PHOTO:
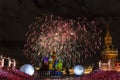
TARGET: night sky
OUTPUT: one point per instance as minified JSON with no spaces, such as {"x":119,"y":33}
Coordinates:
{"x":16,"y":15}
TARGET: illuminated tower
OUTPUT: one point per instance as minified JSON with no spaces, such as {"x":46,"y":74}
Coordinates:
{"x":109,"y":54}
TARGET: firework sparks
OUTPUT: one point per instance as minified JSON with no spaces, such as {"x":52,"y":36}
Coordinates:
{"x":73,"y":41}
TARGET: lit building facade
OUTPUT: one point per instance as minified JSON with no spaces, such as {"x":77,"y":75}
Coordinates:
{"x":7,"y":63}
{"x":109,"y":54}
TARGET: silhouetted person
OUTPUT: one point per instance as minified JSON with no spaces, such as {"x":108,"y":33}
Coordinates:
{"x":45,"y":67}
{"x":67,"y":71}
{"x":43,"y":70}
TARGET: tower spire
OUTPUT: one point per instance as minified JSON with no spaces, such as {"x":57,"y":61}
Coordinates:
{"x":108,"y":38}
{"x":108,"y":33}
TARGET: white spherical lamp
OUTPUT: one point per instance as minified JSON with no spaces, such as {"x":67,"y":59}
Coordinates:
{"x":28,"y":69}
{"x":78,"y":70}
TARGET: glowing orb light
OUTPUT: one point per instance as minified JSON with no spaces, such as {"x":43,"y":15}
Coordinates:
{"x":78,"y":70}
{"x":28,"y":69}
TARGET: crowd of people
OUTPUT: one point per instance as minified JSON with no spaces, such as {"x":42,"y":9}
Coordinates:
{"x":14,"y":75}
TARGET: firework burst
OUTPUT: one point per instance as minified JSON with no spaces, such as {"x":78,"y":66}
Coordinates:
{"x":73,"y":40}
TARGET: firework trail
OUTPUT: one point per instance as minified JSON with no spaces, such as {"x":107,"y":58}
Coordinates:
{"x":73,"y":40}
